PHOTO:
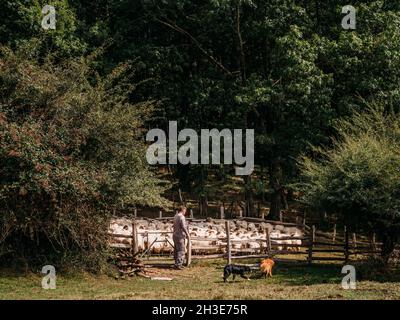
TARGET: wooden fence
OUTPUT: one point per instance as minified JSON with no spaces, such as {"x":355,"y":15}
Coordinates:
{"x":340,"y":247}
{"x":315,"y":245}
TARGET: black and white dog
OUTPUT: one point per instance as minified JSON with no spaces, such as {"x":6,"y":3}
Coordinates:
{"x":235,"y":270}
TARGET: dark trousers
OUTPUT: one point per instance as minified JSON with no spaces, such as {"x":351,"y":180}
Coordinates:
{"x":179,"y":250}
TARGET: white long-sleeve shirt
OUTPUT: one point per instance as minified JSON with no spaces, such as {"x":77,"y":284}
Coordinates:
{"x":180,"y":226}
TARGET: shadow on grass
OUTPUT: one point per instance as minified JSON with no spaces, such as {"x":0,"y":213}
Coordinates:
{"x":296,"y":274}
{"x":324,"y":274}
{"x":308,"y":274}
{"x":300,"y":274}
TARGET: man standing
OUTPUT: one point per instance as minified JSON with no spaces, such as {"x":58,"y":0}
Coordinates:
{"x":180,"y":234}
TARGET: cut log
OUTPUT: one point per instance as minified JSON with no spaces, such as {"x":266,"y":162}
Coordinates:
{"x":162,"y":278}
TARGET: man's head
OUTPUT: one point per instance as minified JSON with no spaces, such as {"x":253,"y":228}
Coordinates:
{"x":182,"y":209}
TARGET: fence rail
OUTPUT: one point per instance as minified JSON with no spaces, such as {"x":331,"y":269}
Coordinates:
{"x":312,"y":245}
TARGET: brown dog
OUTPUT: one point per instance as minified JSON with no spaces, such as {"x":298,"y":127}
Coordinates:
{"x":266,"y":267}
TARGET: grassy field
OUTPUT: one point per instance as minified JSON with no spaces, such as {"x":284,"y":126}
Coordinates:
{"x":202,"y":281}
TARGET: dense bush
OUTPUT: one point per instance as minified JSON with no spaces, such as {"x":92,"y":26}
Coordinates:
{"x":71,"y":146}
{"x":359,"y":177}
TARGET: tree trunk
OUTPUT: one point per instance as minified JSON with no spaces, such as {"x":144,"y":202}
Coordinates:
{"x":263,"y":179}
{"x":203,"y":206}
{"x":276,"y":187}
{"x":284,"y":198}
{"x":248,"y":194}
{"x":388,"y":245}
{"x":180,"y":196}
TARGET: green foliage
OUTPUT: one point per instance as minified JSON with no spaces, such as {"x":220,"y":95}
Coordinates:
{"x":70,"y":148}
{"x":359,"y":177}
{"x":20,"y":20}
{"x":283,"y":67}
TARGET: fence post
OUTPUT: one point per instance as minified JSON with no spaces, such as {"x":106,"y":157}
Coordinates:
{"x":135,"y":213}
{"x":191,"y":213}
{"x":189,"y":253}
{"x":228,"y":241}
{"x":311,"y":244}
{"x":346,"y":244}
{"x":268,"y":238}
{"x":240,"y":213}
{"x":334,"y":233}
{"x":373,"y":245}
{"x":148,"y":245}
{"x":280,"y":216}
{"x":160,"y":214}
{"x":189,"y":249}
{"x":222,"y":209}
{"x":134,"y":238}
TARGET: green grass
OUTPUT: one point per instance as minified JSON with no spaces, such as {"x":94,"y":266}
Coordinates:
{"x":203,"y":280}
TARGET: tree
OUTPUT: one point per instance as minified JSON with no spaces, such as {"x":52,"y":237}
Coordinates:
{"x":71,"y":147}
{"x":359,"y":178}
{"x":283,"y":67}
{"x":20,"y":21}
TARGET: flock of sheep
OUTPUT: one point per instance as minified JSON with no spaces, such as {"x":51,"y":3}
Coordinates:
{"x":208,"y":236}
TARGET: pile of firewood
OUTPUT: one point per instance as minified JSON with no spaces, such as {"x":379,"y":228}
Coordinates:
{"x":127,"y":263}
{"x":130,"y":268}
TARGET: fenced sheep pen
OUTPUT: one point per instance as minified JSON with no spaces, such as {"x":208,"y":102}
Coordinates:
{"x":151,"y":239}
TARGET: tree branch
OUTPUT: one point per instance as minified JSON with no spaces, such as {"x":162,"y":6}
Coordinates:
{"x":173,"y":26}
